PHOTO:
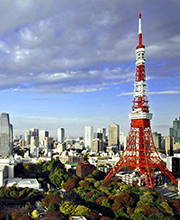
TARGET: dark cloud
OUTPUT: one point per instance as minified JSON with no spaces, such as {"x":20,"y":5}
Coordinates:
{"x":77,"y":46}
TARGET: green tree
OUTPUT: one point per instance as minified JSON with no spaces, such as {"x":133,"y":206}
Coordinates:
{"x":13,"y":194}
{"x":168,"y":209}
{"x":67,"y":208}
{"x":8,"y":217}
{"x":138,"y":216}
{"x":105,"y":204}
{"x":120,"y":214}
{"x":96,"y":173}
{"x":147,"y":198}
{"x":22,"y":193}
{"x":3,"y":192}
{"x":156,"y":216}
{"x":82,"y":211}
{"x":97,"y":184}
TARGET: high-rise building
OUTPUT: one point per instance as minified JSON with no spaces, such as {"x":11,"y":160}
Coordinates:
{"x":49,"y":142}
{"x":122,"y":140}
{"x":175,"y":131}
{"x":6,"y":135}
{"x":61,"y":135}
{"x":99,"y":135}
{"x":102,"y":130}
{"x":97,"y":145}
{"x":28,"y":137}
{"x":34,"y":141}
{"x":169,"y":141}
{"x":157,"y":139}
{"x":49,"y":146}
{"x":35,"y":132}
{"x":113,"y":135}
{"x":22,"y":143}
{"x":11,"y":138}
{"x":89,"y":136}
{"x":42,"y":136}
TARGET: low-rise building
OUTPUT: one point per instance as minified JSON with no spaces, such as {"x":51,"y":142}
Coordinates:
{"x":28,"y":182}
{"x":84,"y":168}
{"x":6,"y":170}
{"x":173,"y":164}
{"x":69,"y":157}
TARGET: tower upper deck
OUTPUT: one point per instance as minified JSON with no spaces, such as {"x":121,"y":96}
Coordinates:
{"x":140,"y":108}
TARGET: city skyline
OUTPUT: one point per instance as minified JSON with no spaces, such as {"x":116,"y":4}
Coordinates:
{"x":71,"y":64}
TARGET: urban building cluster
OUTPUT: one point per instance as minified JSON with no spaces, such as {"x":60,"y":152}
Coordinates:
{"x":101,"y":148}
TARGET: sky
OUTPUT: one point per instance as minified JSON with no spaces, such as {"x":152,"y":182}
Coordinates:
{"x":71,"y":64}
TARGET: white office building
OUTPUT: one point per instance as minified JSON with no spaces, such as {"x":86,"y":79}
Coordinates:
{"x":89,"y":136}
{"x":61,"y":135}
{"x":42,"y":137}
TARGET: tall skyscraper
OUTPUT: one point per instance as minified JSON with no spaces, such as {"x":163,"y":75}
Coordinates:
{"x":89,"y":136}
{"x":42,"y":136}
{"x":97,"y":145}
{"x":113,"y":135}
{"x":102,"y":130}
{"x":157,"y":140}
{"x":35,"y":132}
{"x":175,"y":131}
{"x":11,"y":138}
{"x":6,"y":134}
{"x":28,"y":137}
{"x":122,"y":140}
{"x":169,"y":142}
{"x":61,"y":135}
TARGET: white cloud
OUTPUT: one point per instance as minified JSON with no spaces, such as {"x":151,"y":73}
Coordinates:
{"x":153,"y":93}
{"x":76,"y":46}
{"x":164,"y":93}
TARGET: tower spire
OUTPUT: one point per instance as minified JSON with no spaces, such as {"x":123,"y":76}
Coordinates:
{"x":140,"y":30}
{"x":140,"y":45}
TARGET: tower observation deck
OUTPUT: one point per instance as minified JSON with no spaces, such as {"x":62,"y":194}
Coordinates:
{"x":140,"y":153}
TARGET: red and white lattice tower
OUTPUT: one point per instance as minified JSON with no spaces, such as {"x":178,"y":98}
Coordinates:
{"x":140,"y":153}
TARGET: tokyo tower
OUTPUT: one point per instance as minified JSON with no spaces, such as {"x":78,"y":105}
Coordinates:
{"x":141,"y":154}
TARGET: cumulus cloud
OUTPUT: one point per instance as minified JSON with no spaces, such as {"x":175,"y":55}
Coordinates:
{"x":81,"y":46}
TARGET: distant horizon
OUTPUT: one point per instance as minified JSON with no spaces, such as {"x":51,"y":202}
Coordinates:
{"x":95,"y":131}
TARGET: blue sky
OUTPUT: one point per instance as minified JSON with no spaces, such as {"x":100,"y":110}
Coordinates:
{"x":71,"y":63}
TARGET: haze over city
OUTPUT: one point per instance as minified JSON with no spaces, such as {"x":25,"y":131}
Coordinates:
{"x":71,"y":63}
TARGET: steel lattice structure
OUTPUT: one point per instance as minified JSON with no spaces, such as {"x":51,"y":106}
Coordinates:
{"x":141,"y":153}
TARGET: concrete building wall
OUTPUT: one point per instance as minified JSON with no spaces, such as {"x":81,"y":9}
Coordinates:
{"x":157,"y":140}
{"x":169,"y":145}
{"x":89,"y":136}
{"x":113,"y":135}
{"x":42,"y":136}
{"x":97,"y":145}
{"x":5,"y":147}
{"x":61,"y":135}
